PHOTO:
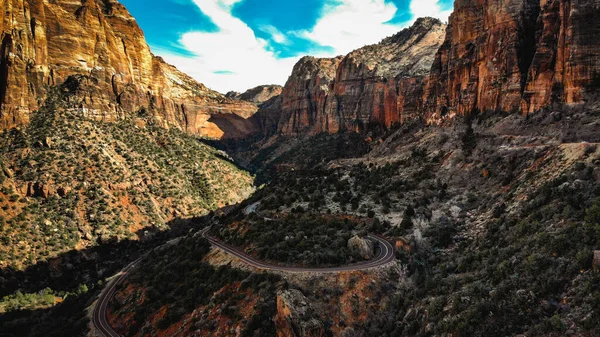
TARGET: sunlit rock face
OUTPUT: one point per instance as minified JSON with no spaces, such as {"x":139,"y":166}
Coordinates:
{"x":514,"y":55}
{"x":305,"y":96}
{"x":374,"y":86}
{"x":257,"y":95}
{"x":100,"y":49}
{"x":382,"y":84}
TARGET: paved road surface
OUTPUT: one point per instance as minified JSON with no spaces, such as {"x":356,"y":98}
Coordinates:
{"x":386,"y":255}
{"x":99,"y":313}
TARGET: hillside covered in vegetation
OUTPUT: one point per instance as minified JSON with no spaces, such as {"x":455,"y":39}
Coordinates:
{"x":69,"y":182}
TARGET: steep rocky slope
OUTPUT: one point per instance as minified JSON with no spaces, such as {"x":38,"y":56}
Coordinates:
{"x":377,"y":85}
{"x":515,"y":55}
{"x":186,"y":296}
{"x":232,"y":126}
{"x":257,"y":95}
{"x":70,"y":182}
{"x":495,"y":218}
{"x":48,"y":42}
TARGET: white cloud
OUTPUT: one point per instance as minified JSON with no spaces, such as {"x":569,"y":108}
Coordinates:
{"x":421,"y":8}
{"x":349,"y":24}
{"x":276,"y":35}
{"x":234,"y":58}
{"x":346,"y":25}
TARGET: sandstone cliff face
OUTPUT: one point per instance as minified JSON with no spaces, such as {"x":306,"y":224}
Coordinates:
{"x":257,"y":95}
{"x":375,"y":86}
{"x":268,"y":116}
{"x":232,"y":126}
{"x":305,"y":96}
{"x":382,"y":84}
{"x":44,"y":43}
{"x":514,"y":55}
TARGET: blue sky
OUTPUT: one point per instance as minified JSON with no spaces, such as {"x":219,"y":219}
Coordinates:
{"x":238,"y":44}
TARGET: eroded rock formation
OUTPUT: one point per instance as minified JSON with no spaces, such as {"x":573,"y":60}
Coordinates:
{"x":382,"y":84}
{"x":295,"y":317}
{"x":44,"y":43}
{"x":257,"y":95}
{"x":515,"y":55}
{"x":305,"y":96}
{"x":374,"y":86}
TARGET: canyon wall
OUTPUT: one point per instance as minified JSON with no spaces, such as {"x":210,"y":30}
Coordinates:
{"x":305,"y":96}
{"x":379,"y":85}
{"x":514,"y":56}
{"x":257,"y":95}
{"x":375,"y":86}
{"x":98,"y":46}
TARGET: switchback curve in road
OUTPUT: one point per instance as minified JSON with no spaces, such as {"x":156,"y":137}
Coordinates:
{"x":99,"y":319}
{"x":387,"y":253}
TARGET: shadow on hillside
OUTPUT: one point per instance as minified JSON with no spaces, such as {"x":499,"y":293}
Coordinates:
{"x":234,"y":147}
{"x":234,"y":126}
{"x":71,"y":269}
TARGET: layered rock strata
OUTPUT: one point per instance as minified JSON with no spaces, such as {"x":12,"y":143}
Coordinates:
{"x":97,"y":45}
{"x":375,"y":86}
{"x":515,"y":56}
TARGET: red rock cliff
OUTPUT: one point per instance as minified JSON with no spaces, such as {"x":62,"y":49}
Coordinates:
{"x":382,"y":84}
{"x":514,"y":55}
{"x":305,"y":96}
{"x":44,"y":42}
{"x":377,"y":85}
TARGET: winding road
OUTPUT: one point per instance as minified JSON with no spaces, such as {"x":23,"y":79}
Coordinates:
{"x":99,"y":318}
{"x":386,"y":254}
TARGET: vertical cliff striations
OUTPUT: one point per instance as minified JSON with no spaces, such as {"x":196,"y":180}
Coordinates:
{"x":305,"y":96}
{"x":514,"y":55}
{"x":99,"y":50}
{"x":382,"y":84}
{"x":375,"y":86}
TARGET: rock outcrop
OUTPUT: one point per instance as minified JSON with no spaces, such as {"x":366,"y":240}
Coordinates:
{"x":232,"y":126}
{"x":257,"y":95}
{"x":514,"y":55}
{"x":268,"y":116}
{"x":98,"y":45}
{"x":305,"y":96}
{"x":295,"y":317}
{"x":363,"y":247}
{"x":382,"y":84}
{"x":375,"y":86}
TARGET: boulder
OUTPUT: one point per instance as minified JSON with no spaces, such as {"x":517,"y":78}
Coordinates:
{"x":295,"y":316}
{"x":363,"y":247}
{"x":7,"y":172}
